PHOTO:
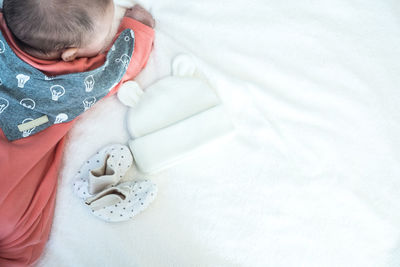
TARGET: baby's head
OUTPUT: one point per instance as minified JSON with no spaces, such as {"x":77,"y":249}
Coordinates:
{"x":54,"y":29}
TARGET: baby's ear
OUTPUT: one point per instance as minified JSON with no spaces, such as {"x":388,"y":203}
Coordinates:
{"x":183,"y":65}
{"x":129,"y":93}
{"x":69,"y":54}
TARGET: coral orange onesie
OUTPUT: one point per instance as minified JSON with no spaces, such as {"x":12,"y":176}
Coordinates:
{"x":29,"y":166}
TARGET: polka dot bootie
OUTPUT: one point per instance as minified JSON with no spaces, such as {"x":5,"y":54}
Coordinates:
{"x":98,"y":183}
{"x":103,"y":170}
{"x":122,"y":202}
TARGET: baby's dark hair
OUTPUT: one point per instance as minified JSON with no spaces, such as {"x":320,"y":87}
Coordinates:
{"x":48,"y":26}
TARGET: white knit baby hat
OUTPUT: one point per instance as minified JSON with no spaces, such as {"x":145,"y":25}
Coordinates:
{"x":174,"y":117}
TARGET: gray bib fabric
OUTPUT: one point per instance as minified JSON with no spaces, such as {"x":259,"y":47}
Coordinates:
{"x":31,"y":102}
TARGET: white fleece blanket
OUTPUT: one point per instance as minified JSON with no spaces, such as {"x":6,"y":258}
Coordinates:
{"x":312,"y":177}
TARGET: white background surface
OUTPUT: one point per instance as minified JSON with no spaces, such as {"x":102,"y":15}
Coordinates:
{"x":312,"y":177}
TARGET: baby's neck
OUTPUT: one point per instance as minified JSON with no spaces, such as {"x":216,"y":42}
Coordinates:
{"x":50,"y":56}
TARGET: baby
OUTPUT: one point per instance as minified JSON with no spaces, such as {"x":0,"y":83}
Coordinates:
{"x":56,"y":29}
{"x":57,"y":58}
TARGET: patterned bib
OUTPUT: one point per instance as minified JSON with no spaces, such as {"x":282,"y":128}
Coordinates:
{"x":31,"y":102}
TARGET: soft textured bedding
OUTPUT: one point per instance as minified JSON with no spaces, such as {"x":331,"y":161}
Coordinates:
{"x":312,"y":177}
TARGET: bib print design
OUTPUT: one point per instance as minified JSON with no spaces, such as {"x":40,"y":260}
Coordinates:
{"x":27,"y":94}
{"x":124,"y":61}
{"x":89,"y":102}
{"x":61,"y":118}
{"x":3,"y":104}
{"x":22,"y":80}
{"x":2,"y":46}
{"x":89,"y":83}
{"x":27,"y":133}
{"x":28,"y":103}
{"x":56,"y":91}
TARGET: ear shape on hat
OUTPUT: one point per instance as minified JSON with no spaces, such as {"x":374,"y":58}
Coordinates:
{"x":130,"y":93}
{"x":183,"y":65}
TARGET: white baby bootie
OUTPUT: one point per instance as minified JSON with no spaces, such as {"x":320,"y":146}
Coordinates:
{"x":104,"y":169}
{"x":122,"y":202}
